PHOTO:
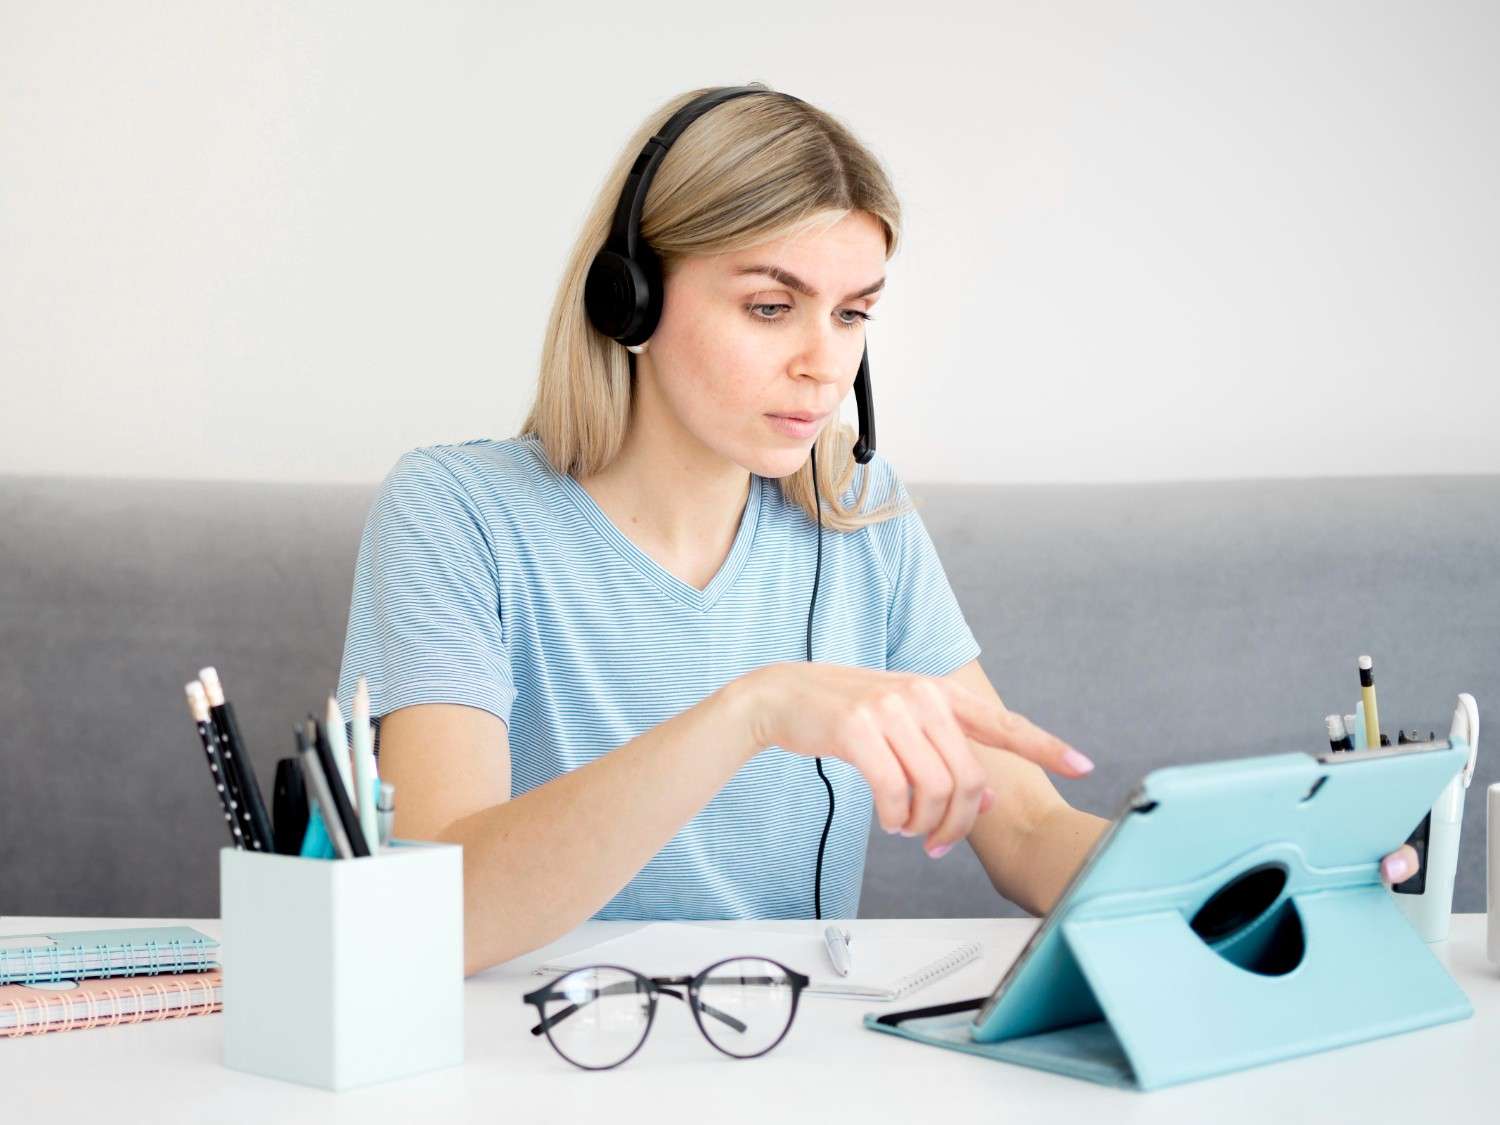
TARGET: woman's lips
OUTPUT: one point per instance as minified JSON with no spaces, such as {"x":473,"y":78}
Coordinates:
{"x":795,"y":427}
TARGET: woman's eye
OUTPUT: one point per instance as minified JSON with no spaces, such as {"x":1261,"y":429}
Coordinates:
{"x":859,"y":317}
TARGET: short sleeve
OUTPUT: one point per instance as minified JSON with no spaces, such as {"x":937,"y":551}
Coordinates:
{"x":425,"y":621}
{"x":926,"y":631}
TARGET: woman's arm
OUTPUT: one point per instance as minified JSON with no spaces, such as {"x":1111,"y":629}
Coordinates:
{"x":537,"y":865}
{"x":1031,"y":841}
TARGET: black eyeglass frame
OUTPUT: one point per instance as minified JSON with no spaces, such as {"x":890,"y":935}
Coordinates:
{"x":652,"y":986}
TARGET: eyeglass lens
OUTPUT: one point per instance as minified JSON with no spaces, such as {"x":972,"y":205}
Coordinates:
{"x":745,"y":1005}
{"x":597,"y":1017}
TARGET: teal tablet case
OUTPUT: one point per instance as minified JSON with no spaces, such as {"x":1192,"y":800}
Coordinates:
{"x":1232,"y":916}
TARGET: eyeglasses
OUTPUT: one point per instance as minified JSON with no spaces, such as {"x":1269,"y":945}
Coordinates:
{"x":598,"y":1016}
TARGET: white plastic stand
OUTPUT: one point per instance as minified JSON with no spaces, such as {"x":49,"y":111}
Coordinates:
{"x":1492,"y":873}
{"x":1430,"y":912}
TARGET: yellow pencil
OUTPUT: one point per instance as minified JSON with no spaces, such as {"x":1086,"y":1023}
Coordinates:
{"x":1367,"y":693}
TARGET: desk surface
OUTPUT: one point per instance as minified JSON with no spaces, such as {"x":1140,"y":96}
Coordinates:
{"x":829,"y":1067}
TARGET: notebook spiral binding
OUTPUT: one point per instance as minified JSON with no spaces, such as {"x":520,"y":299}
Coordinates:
{"x":960,"y":956}
{"x":173,"y":999}
{"x":114,"y":961}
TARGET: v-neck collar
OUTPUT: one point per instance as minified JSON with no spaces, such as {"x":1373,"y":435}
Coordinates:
{"x":658,"y":575}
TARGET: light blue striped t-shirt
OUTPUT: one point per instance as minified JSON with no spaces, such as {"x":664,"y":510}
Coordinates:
{"x":487,"y":578}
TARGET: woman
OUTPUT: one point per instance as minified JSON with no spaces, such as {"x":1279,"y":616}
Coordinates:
{"x":584,"y":644}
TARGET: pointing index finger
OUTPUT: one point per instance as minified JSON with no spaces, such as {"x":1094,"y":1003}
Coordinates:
{"x":994,"y":725}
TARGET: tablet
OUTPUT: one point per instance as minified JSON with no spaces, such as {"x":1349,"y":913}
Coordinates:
{"x":1230,"y":844}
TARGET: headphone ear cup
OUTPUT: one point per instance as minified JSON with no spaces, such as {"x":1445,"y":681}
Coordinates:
{"x":623,"y":296}
{"x":610,"y":293}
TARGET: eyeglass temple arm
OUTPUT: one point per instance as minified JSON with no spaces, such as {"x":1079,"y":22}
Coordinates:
{"x":625,"y":986}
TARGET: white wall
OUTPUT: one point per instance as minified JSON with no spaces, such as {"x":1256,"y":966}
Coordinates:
{"x":1145,"y":241}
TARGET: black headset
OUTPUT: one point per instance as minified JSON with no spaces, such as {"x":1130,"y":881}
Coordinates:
{"x":623,"y":297}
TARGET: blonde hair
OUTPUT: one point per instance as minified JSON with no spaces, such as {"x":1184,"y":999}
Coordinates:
{"x":753,"y":169}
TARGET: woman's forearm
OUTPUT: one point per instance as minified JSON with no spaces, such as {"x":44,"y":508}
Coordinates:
{"x":1056,"y":849}
{"x":539,"y":864}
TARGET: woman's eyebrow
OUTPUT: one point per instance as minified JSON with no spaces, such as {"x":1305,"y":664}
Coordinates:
{"x":792,"y":281}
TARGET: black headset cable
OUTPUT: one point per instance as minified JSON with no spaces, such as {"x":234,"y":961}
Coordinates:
{"x":817,"y":573}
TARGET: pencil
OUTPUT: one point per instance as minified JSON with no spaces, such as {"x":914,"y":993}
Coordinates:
{"x":237,"y":764}
{"x":198,"y":708}
{"x":1367,"y":696}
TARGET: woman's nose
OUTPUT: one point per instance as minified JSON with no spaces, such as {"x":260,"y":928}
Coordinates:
{"x":826,"y":355}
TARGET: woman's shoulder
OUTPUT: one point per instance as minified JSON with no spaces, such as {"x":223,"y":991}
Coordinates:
{"x":880,"y":482}
{"x":488,"y":472}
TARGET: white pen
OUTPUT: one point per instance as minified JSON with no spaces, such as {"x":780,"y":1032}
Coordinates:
{"x":837,"y":942}
{"x":338,"y":742}
{"x":366,"y":780}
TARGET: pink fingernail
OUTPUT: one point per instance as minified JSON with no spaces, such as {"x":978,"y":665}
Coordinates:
{"x":939,"y":853}
{"x":1396,"y":868}
{"x":1076,"y":761}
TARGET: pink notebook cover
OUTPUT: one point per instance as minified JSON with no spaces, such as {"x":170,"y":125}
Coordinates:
{"x":30,"y":1010}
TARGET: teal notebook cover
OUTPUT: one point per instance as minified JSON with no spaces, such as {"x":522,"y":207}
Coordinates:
{"x":70,"y":954}
{"x":1233,"y":915}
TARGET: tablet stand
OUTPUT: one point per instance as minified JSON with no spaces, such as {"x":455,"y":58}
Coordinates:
{"x":1265,"y":956}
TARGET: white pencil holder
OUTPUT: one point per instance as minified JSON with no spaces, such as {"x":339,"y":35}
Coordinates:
{"x":342,"y":972}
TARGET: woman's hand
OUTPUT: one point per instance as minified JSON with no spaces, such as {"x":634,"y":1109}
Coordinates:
{"x":899,"y":730}
{"x":908,"y":735}
{"x":1400,"y":865}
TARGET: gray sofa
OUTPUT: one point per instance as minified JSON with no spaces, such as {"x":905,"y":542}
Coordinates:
{"x":1149,"y":625}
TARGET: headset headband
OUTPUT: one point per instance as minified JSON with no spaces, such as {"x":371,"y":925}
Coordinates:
{"x":625,"y":233}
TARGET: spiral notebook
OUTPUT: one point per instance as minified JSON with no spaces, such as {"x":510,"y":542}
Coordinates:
{"x":30,"y":1009}
{"x":70,"y":954}
{"x":884,"y":968}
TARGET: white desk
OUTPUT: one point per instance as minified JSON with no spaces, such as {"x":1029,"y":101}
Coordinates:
{"x":828,"y":1069}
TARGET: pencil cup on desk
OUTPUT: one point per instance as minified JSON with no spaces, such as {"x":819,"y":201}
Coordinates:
{"x":339,"y":973}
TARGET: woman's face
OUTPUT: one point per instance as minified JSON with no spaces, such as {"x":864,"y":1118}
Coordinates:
{"x":736,"y":345}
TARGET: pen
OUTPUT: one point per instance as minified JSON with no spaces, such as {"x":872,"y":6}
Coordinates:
{"x":317,"y":785}
{"x":365,"y":776}
{"x":1367,"y":697}
{"x":387,"y":812}
{"x":237,"y":765}
{"x":343,"y":811}
{"x":289,"y":806}
{"x":1338,"y":737}
{"x":338,"y":743}
{"x":316,"y":843}
{"x":837,"y":942}
{"x":198,"y":707}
